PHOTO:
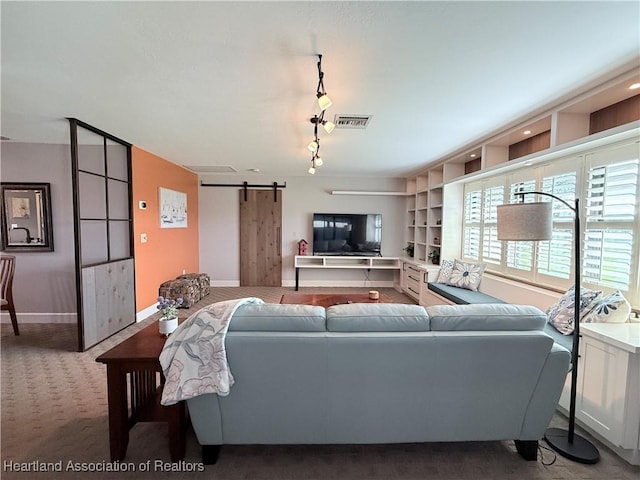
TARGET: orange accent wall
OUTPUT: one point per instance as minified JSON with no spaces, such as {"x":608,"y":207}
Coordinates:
{"x":168,"y":251}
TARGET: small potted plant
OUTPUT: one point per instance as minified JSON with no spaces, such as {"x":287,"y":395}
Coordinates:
{"x":169,"y":320}
{"x":434,"y":255}
{"x":409,"y":249}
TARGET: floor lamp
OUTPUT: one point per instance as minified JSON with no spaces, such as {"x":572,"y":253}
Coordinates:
{"x":532,"y":222}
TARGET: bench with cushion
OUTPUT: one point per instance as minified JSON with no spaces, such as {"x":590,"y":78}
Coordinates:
{"x":462,"y":296}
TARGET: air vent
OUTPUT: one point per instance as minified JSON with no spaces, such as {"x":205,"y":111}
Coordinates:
{"x":211,"y":168}
{"x":352,"y":121}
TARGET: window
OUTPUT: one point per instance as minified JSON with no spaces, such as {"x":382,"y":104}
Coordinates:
{"x":607,"y":182}
{"x":610,"y":259}
{"x":491,"y":246}
{"x":472,"y":222}
{"x":520,"y":254}
{"x":555,"y":256}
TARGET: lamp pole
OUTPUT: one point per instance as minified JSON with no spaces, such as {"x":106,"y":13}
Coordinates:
{"x":566,"y":442}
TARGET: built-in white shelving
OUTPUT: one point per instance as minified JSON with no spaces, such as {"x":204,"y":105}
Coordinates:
{"x":602,"y":114}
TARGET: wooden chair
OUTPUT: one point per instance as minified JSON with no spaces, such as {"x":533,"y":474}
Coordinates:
{"x":7,"y":269}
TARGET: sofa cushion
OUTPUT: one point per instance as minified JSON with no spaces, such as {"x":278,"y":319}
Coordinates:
{"x":271,"y":317}
{"x":377,"y":317}
{"x":466,"y":275}
{"x":561,"y":315}
{"x":444,"y":274}
{"x":461,"y":296}
{"x":486,"y":317}
{"x":613,"y":308}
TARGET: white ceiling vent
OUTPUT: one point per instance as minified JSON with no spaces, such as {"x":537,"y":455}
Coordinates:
{"x":352,"y":121}
{"x":211,"y":168}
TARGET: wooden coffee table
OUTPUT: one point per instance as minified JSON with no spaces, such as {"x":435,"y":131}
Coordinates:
{"x":327,"y":299}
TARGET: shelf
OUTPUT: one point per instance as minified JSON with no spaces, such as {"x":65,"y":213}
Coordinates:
{"x":596,"y":116}
{"x":346,"y":261}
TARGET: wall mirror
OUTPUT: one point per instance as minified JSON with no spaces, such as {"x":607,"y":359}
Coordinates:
{"x":26,"y":217}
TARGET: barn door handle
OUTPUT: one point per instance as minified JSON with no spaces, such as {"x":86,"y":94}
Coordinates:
{"x":278,"y":239}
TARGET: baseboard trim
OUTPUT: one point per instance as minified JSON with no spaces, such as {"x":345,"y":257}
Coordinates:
{"x":338,"y":283}
{"x":225,"y":283}
{"x":147,"y":312}
{"x":41,"y":318}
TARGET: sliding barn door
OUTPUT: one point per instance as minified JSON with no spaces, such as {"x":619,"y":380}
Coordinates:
{"x":260,"y":238}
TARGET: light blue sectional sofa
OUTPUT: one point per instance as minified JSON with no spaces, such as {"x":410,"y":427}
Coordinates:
{"x":384,"y":373}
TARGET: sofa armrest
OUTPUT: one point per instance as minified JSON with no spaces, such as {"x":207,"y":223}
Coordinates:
{"x":546,"y":395}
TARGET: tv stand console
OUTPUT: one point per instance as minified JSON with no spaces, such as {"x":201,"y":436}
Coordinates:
{"x":345,"y":261}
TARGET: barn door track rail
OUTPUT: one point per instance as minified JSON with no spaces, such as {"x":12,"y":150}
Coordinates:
{"x":246,"y":186}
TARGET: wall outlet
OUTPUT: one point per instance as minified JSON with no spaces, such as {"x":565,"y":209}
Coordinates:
{"x":143,"y":238}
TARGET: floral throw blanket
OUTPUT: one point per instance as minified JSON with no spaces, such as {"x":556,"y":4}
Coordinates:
{"x":194,"y":359}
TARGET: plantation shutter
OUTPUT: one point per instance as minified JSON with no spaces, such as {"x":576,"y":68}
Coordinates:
{"x":555,"y":256}
{"x":611,"y":230}
{"x":472,"y":222}
{"x":520,"y":254}
{"x":491,"y":246}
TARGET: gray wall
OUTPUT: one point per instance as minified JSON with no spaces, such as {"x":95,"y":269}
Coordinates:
{"x":220,"y":229}
{"x":44,"y":286}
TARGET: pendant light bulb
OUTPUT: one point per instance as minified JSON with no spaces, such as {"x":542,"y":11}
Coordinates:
{"x":313,"y":146}
{"x":318,"y":162}
{"x":324,"y":101}
{"x":328,"y":126}
{"x":312,"y":170}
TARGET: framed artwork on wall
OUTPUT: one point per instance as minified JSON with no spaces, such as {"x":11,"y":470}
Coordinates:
{"x":25,"y":217}
{"x":173,"y":208}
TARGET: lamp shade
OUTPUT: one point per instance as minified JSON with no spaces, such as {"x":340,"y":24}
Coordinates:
{"x":525,"y":221}
{"x":328,"y":126}
{"x":324,"y":101}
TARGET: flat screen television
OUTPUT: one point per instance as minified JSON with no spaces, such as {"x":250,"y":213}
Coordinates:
{"x":347,"y":234}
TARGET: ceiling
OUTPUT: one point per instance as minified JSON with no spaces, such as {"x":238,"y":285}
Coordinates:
{"x":216,"y":84}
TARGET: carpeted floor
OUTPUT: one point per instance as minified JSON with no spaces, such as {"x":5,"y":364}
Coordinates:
{"x":54,"y":409}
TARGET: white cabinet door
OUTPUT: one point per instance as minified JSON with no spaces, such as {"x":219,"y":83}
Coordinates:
{"x":601,"y":401}
{"x":427,"y":297}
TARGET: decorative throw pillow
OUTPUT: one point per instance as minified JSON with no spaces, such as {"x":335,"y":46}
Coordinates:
{"x":446,"y":267}
{"x":466,"y":275}
{"x":613,"y":308}
{"x":561,"y":314}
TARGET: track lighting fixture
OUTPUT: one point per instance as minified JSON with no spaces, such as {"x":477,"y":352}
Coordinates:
{"x":324,"y":102}
{"x":323,"y":99}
